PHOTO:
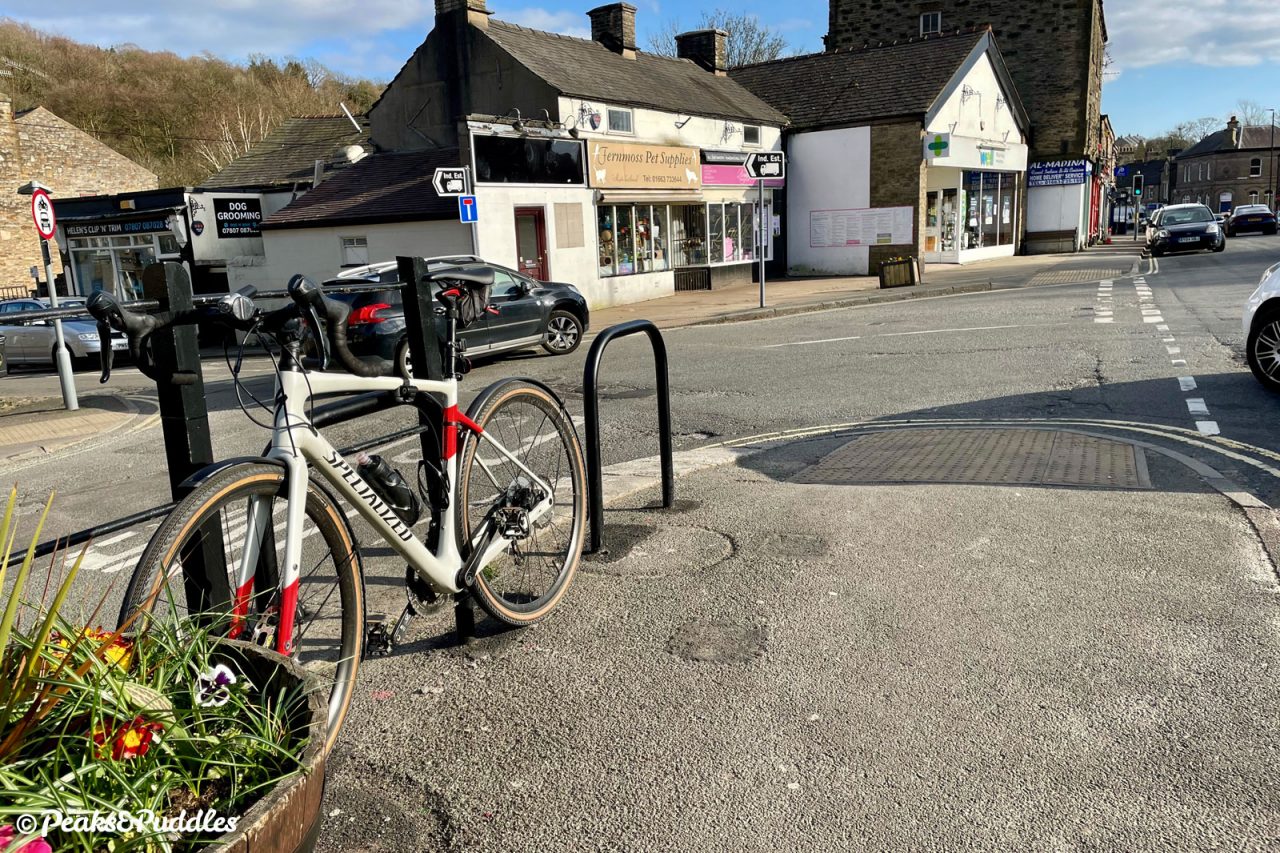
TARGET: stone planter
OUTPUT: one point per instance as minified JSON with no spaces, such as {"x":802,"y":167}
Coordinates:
{"x":286,"y":820}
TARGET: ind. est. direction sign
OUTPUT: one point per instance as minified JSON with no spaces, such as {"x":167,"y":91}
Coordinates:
{"x":450,"y":181}
{"x":766,"y":164}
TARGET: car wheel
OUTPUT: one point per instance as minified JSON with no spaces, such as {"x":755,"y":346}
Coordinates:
{"x":4,"y":363}
{"x":403,"y":360}
{"x":1263,"y":348}
{"x":1270,"y":231}
{"x":564,"y":333}
{"x":1221,"y":247}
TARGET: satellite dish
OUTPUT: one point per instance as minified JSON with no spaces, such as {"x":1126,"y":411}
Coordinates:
{"x":355,"y":153}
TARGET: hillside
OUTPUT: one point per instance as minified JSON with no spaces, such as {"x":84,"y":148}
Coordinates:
{"x":182,"y":118}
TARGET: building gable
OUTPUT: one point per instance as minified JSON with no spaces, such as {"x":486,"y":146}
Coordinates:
{"x":71,"y":161}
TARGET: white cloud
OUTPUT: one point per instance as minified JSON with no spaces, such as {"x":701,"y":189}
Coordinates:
{"x":565,"y":23}
{"x":1216,"y":33}
{"x":231,"y":28}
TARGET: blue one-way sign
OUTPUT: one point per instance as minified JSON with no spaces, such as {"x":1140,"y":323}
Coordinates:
{"x":467,"y":210}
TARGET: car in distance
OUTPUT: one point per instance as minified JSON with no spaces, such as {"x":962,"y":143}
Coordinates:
{"x":529,"y":313}
{"x":31,"y":342}
{"x":1251,"y":217}
{"x":1261,"y":323}
{"x":1185,"y":228}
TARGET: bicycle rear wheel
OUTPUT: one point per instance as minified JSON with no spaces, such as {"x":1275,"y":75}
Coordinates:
{"x":529,"y":578}
{"x":211,"y":527}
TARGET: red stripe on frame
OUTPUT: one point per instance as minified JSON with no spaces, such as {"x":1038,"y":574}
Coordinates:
{"x":288,"y":609}
{"x":240,"y":609}
{"x":452,"y":418}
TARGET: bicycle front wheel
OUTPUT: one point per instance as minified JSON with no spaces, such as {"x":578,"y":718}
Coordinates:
{"x":529,"y":578}
{"x":213,"y":527}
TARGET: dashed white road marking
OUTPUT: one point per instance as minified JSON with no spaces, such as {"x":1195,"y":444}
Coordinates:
{"x":1187,"y":383}
{"x":1162,"y":328}
{"x":1156,"y":319}
{"x":1208,"y":428}
{"x":1179,"y":362}
{"x":1174,"y":350}
{"x":1196,"y":406}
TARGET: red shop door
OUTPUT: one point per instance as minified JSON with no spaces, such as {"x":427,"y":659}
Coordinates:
{"x":531,"y":242}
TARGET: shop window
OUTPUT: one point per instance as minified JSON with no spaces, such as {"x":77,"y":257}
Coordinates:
{"x":747,"y":228}
{"x":355,"y":251}
{"x":526,"y":160}
{"x":1255,"y":167}
{"x":930,"y":23}
{"x":620,"y":121}
{"x":750,"y":134}
{"x":716,"y":233}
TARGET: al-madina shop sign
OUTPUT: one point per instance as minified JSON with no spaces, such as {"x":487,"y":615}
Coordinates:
{"x":621,"y":165}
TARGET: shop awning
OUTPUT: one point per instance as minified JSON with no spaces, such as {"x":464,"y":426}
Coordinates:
{"x":649,"y":197}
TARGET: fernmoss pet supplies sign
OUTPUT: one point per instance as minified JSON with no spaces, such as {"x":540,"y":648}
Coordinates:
{"x":238,"y":217}
{"x":622,"y":165}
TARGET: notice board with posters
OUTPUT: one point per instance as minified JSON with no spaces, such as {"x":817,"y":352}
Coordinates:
{"x":237,"y":217}
{"x":872,"y":226}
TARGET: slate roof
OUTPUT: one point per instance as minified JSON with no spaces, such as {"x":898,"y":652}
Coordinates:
{"x":287,"y":155}
{"x":1253,"y":137}
{"x":587,"y":69}
{"x":848,"y":86}
{"x":389,"y":187}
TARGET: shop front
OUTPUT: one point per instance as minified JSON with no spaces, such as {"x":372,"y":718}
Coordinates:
{"x":107,"y":241}
{"x":973,"y":199}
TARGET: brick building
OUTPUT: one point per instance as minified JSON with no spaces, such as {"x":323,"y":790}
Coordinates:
{"x":37,"y":145}
{"x":1054,"y":51}
{"x":1236,"y":165}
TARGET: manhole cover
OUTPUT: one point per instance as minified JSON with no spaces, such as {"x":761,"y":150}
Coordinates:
{"x":1028,"y":457}
{"x":718,"y":641}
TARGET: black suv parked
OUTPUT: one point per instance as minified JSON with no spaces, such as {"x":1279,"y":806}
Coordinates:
{"x":529,"y":313}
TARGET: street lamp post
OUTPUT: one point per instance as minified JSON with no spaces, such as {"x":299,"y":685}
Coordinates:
{"x":61,"y":357}
{"x":1275,"y":180}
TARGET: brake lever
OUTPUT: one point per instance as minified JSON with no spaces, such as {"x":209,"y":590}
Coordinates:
{"x":105,"y":354}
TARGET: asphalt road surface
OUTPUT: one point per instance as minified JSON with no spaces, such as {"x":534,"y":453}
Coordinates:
{"x":668,"y":756}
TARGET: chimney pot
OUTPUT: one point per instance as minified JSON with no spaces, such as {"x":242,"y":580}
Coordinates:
{"x":614,"y":26}
{"x":708,"y":48}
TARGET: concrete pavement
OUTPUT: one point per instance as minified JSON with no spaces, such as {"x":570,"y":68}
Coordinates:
{"x":858,"y":667}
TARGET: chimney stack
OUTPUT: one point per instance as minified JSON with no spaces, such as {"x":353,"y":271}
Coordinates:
{"x":705,"y":47}
{"x":613,"y":26}
{"x":1233,"y":127}
{"x":477,"y":14}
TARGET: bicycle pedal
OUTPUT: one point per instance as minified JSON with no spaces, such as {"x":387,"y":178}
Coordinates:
{"x":378,"y":640}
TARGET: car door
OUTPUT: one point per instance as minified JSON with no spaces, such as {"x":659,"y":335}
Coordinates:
{"x":519,"y":317}
{"x":12,"y":332}
{"x":29,"y":334}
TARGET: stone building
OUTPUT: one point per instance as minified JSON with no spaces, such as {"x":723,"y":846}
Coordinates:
{"x":1236,"y":165}
{"x":37,"y":145}
{"x":1054,"y":51}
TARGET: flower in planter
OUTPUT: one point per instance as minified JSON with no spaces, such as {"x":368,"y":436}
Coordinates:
{"x":118,"y":651}
{"x":7,"y":836}
{"x":132,"y":740}
{"x":215,"y":687}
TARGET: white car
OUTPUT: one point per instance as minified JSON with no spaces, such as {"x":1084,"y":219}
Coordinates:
{"x":1262,"y":329}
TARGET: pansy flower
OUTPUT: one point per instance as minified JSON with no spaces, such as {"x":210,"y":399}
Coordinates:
{"x":214,"y":687}
{"x":9,"y":833}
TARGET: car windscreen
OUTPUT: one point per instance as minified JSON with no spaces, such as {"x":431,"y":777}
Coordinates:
{"x":1186,"y":217}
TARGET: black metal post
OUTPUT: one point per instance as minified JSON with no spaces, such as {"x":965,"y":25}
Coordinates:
{"x":591,"y":403}
{"x":184,"y":421}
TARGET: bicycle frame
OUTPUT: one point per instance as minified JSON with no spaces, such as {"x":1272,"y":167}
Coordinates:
{"x":299,"y":446}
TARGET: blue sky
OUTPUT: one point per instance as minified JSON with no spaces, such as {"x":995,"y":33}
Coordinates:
{"x":1192,"y":59}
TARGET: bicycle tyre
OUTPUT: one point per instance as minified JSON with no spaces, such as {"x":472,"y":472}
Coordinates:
{"x":147,"y":590}
{"x":523,"y":607}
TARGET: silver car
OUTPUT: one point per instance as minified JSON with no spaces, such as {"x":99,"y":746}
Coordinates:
{"x":31,"y":342}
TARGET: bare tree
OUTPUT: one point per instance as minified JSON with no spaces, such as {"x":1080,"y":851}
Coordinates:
{"x":749,"y":40}
{"x":236,"y":134}
{"x":1193,"y":130}
{"x":1251,"y":113}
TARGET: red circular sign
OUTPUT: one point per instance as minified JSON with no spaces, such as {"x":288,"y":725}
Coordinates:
{"x":42,"y":213}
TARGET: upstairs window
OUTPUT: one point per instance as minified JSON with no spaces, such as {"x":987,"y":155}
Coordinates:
{"x":1255,"y":167}
{"x":620,"y":121}
{"x":750,"y":134}
{"x":355,"y":251}
{"x":930,"y":23}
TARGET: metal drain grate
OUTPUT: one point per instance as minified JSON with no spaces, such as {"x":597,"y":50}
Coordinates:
{"x":1011,"y":457}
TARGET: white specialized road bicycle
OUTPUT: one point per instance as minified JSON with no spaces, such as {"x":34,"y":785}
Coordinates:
{"x":507,"y":494}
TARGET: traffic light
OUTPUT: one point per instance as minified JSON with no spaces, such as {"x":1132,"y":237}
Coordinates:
{"x":1137,"y":186}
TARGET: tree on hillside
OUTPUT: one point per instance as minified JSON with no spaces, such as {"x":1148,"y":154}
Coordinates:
{"x":749,"y":40}
{"x":182,"y":118}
